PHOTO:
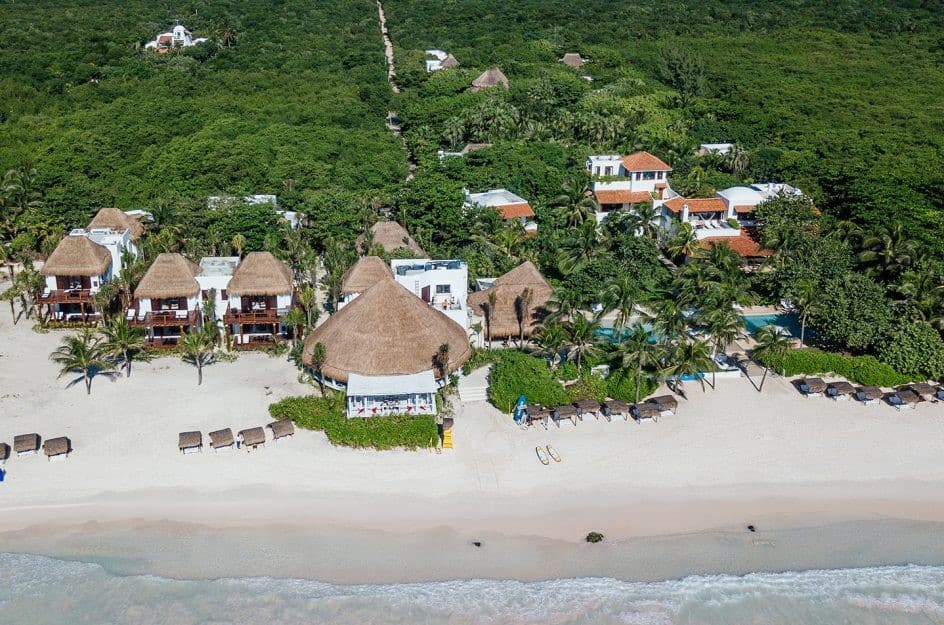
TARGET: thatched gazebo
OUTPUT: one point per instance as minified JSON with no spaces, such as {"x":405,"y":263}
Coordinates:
{"x":449,"y":61}
{"x":573,"y":59}
{"x":508,"y":289}
{"x":281,"y":428}
{"x":391,"y":236}
{"x":614,"y":407}
{"x":59,"y":446}
{"x":840,"y":390}
{"x":365,"y":273}
{"x":869,"y":395}
{"x":118,"y":221}
{"x":190,"y":442}
{"x":222,"y":439}
{"x":492,"y":77}
{"x":77,"y":255}
{"x":26,"y":444}
{"x":261,"y":274}
{"x":169,"y":276}
{"x":251,"y":438}
{"x":387,"y":331}
{"x":812,"y":387}
{"x":665,"y":403}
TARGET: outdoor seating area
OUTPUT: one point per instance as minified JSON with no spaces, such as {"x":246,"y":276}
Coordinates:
{"x":30,"y":444}
{"x":905,"y":397}
{"x":249,"y":439}
{"x":652,"y":409}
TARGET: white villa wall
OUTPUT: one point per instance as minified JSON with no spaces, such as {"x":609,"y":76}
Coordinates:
{"x":611,"y":165}
{"x":220,"y":283}
{"x":116,"y":243}
{"x":457,"y":281}
{"x":144,"y":304}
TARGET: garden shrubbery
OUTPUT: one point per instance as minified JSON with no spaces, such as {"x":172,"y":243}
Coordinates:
{"x":327,"y":414}
{"x":865,"y":370}
{"x":517,"y":373}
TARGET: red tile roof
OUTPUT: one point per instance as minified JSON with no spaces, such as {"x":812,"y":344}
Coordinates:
{"x":643,"y":161}
{"x":744,"y":208}
{"x":513,"y":211}
{"x":747,"y":244}
{"x":697,"y":205}
{"x":622,"y":196}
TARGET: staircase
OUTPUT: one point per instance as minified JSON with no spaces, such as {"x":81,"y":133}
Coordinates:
{"x":474,"y":387}
{"x":447,"y":439}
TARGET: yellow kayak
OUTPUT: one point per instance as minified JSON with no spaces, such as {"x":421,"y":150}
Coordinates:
{"x":542,"y":456}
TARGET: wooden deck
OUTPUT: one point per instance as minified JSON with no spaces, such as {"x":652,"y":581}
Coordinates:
{"x":269,"y":315}
{"x":165,"y":319}
{"x":69,"y":296}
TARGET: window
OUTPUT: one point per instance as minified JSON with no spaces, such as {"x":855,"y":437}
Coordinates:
{"x":225,"y":294}
{"x":609,"y":171}
{"x":638,"y":175}
{"x":443,"y":289}
{"x":648,"y":175}
{"x":658,"y":175}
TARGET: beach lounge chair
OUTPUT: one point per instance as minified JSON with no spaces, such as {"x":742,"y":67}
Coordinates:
{"x":645,"y":410}
{"x":561,"y":413}
{"x":903,"y":399}
{"x":251,"y":438}
{"x":26,"y":444}
{"x":190,"y":442}
{"x":614,"y":407}
{"x":869,"y":395}
{"x":811,"y":387}
{"x":222,"y":439}
{"x":57,"y":448}
{"x":665,"y":403}
{"x":588,"y":407}
{"x":537,"y":413}
{"x":281,"y":429}
{"x":4,"y":453}
{"x":840,"y":391}
{"x":924,"y":390}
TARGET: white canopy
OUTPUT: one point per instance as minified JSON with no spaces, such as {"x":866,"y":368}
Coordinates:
{"x":374,"y":385}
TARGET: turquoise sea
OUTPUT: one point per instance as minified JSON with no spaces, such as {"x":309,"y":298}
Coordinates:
{"x":39,"y":590}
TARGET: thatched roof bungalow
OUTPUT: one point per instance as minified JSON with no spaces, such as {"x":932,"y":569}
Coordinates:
{"x":365,"y":273}
{"x":169,"y":276}
{"x":492,"y":77}
{"x":391,"y":236}
{"x":508,"y":289}
{"x":261,"y":274}
{"x":117,"y":220}
{"x":77,"y":255}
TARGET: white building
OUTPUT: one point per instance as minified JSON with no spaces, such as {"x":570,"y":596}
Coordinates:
{"x":620,"y":182}
{"x":293,"y":218}
{"x":440,"y":59}
{"x":215,"y":274}
{"x":177,"y":37}
{"x":443,"y":284}
{"x":509,"y":206}
{"x":742,"y":200}
{"x":714,"y":148}
{"x":167,"y":300}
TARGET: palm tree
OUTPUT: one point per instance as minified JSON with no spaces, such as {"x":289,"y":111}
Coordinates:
{"x":318,"y":356}
{"x":523,"y":312}
{"x":579,"y":249}
{"x":441,"y":360}
{"x":669,"y":320}
{"x":82,"y":354}
{"x":295,"y":319}
{"x":688,"y":357}
{"x":724,"y":324}
{"x":581,"y":338}
{"x":809,"y":300}
{"x":646,"y":220}
{"x":619,"y":296}
{"x":562,"y":305}
{"x":684,"y":243}
{"x":551,"y":337}
{"x":238,"y":243}
{"x":123,"y":342}
{"x":308,"y":301}
{"x":635,"y":353}
{"x":888,"y":253}
{"x":489,"y":313}
{"x":198,"y":348}
{"x":771,"y":347}
{"x":576,"y":204}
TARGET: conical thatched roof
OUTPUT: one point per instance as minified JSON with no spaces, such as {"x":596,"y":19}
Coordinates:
{"x":507,"y":289}
{"x":261,"y":273}
{"x":386,"y":331}
{"x":365,"y":273}
{"x":170,"y":275}
{"x":449,"y":61}
{"x":391,"y":236}
{"x":572,"y":59}
{"x":77,"y":255}
{"x":116,"y":220}
{"x":490,"y":78}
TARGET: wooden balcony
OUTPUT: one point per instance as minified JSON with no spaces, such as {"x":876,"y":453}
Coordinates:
{"x":164,"y":318}
{"x":163,"y":342}
{"x":267,"y":315}
{"x":66,"y":296}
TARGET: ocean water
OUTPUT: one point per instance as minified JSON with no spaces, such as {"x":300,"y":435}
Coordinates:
{"x":38,"y":590}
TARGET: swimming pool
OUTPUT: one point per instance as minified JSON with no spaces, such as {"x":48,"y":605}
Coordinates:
{"x":789,"y":321}
{"x":609,"y":334}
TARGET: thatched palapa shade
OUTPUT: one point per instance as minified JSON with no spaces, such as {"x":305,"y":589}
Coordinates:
{"x":252,"y":437}
{"x":908,"y":396}
{"x":282,"y":428}
{"x":118,"y":221}
{"x":664,"y":402}
{"x":4,"y":452}
{"x":508,"y":288}
{"x":490,"y":78}
{"x":25,"y":443}
{"x":587,"y":406}
{"x":261,"y":273}
{"x":391,"y":236}
{"x":189,"y":440}
{"x":57,"y":446}
{"x":645,"y":410}
{"x":812,"y":385}
{"x":572,"y":59}
{"x":386,"y":331}
{"x":77,"y":255}
{"x":869,"y":393}
{"x":923,"y":388}
{"x":170,"y":275}
{"x":365,"y":273}
{"x":222,"y":438}
{"x":841,"y":388}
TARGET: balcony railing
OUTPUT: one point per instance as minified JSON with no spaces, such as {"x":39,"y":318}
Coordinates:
{"x":66,"y":296}
{"x":163,"y":318}
{"x":265,"y":315}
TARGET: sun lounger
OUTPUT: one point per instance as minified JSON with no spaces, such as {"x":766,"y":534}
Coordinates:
{"x":251,"y":438}
{"x":281,"y":429}
{"x":645,"y":410}
{"x":903,"y":399}
{"x":588,"y":407}
{"x":840,"y":391}
{"x":561,"y":413}
{"x":222,"y":439}
{"x":924,"y":390}
{"x":665,"y":403}
{"x":190,"y":442}
{"x":869,"y":395}
{"x":26,"y":444}
{"x":811,"y":387}
{"x":57,"y":448}
{"x":615,"y":407}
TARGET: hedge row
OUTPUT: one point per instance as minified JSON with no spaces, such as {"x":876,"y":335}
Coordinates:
{"x":516,"y":373}
{"x":327,"y":414}
{"x":866,"y":370}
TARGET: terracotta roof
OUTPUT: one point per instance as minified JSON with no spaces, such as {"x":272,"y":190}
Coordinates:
{"x":643,"y":161}
{"x":77,"y":255}
{"x":747,"y":244}
{"x":696,"y":205}
{"x":621,"y":196}
{"x":744,"y":209}
{"x":512,"y":211}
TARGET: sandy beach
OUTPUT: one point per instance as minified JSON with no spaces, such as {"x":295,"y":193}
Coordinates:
{"x":730,"y":457}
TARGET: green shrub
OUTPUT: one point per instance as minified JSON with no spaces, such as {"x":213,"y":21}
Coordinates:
{"x":865,"y":370}
{"x":481,"y":357}
{"x":589,"y":386}
{"x":622,"y":385}
{"x":915,"y":349}
{"x":566,"y":371}
{"x":327,"y":414}
{"x":517,"y":373}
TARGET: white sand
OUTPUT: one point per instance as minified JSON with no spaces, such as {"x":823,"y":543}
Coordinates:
{"x":730,"y":456}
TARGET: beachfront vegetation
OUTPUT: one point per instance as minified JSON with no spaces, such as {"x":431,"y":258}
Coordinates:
{"x":865,"y":370}
{"x":83,"y":355}
{"x":327,"y":415}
